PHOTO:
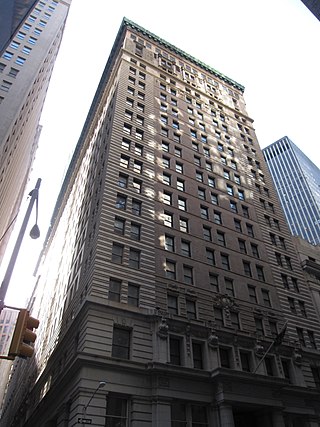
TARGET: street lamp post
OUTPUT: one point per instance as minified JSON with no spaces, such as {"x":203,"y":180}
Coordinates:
{"x":35,"y":233}
{"x":100,"y":385}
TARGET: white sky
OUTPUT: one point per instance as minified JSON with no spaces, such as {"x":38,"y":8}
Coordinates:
{"x":271,"y":47}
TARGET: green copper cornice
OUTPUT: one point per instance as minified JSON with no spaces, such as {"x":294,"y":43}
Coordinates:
{"x":127,"y":23}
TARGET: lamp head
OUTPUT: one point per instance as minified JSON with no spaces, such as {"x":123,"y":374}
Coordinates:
{"x":102,"y":384}
{"x":35,"y":232}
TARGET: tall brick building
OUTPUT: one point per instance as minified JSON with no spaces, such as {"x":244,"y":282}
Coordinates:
{"x":169,"y":268}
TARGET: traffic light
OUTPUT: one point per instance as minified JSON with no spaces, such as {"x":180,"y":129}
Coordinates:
{"x":23,"y":335}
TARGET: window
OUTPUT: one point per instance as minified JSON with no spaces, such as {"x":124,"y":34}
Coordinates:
{"x":197,"y":360}
{"x":266,"y":297}
{"x":170,"y":269}
{"x":20,"y":60}
{"x":166,"y":162}
{"x":204,"y":212}
{"x":237,"y":225}
{"x":137,"y":185}
{"x":185,"y":248}
{"x":211,"y":181}
{"x":138,"y":149}
{"x":255,"y":250}
{"x":178,"y":415}
{"x":136,"y":207}
{"x":121,"y":201}
{"x":225,"y":261}
{"x":199,"y":176}
{"x":175,"y":351}
{"x":121,"y":343}
{"x":237,"y":179}
{"x":229,"y":286}
{"x":214,"y":199}
{"x":250,"y":230}
{"x":197,"y":160}
{"x":273,"y":239}
{"x":312,"y":340}
{"x":242,"y":246}
{"x":241,"y":194}
{"x":209,"y":167}
{"x":180,"y":185}
{"x":165,"y":132}
{"x":292,"y":305}
{"x":285,"y":281}
{"x":201,"y":193}
{"x":182,"y":204}
{"x":119,"y":225}
{"x":245,"y":211}
{"x":175,"y":124}
{"x":247,"y":268}
{"x":125,"y":144}
{"x":252,"y":294}
{"x":134,"y":258}
{"x":273,"y":328}
{"x":116,"y":412}
{"x":139,"y":134}
{"x":224,"y":354}
{"x":218,"y":316}
{"x":285,"y":363}
{"x":302,"y":308}
{"x":172,"y":301}
{"x":288,"y":262}
{"x":259,"y":325}
{"x":260,"y":273}
{"x":191,"y":309}
{"x":278,"y":258}
{"x":207,"y":233}
{"x":167,"y":198}
{"x":124,"y":161}
{"x":5,"y":85}
{"x":295,"y":284}
{"x":210,"y":256}
{"x":114,"y":290}
{"x":135,"y":231}
{"x":179,"y":167}
{"x":217,"y":217}
{"x":229,"y":190}
{"x":221,"y":238}
{"x":133,"y":294}
{"x":166,"y":179}
{"x":226,"y":175}
{"x":245,"y":361}
{"x":26,"y":50}
{"x":117,"y":253}
{"x":169,"y":243}
{"x":187,"y":275}
{"x":177,"y":152}
{"x":301,"y":337}
{"x":233,"y":206}
{"x":137,"y":166}
{"x":183,"y":225}
{"x":214,"y":282}
{"x":14,"y":44}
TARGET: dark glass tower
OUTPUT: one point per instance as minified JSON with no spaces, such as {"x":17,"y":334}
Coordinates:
{"x":297,"y":181}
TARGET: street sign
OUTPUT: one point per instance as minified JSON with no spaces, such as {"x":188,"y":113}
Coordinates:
{"x":84,"y":420}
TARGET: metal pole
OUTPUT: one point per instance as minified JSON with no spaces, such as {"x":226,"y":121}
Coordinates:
{"x":5,"y":283}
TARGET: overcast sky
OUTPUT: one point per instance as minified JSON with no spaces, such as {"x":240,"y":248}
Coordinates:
{"x":271,"y":47}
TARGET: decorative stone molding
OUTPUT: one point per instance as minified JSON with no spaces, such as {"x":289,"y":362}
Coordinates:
{"x":297,"y":357}
{"x":213,"y":339}
{"x":163,"y":328}
{"x":259,"y":349}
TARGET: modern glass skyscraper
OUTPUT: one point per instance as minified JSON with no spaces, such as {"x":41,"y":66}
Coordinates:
{"x":169,"y":269}
{"x":297,"y":180}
